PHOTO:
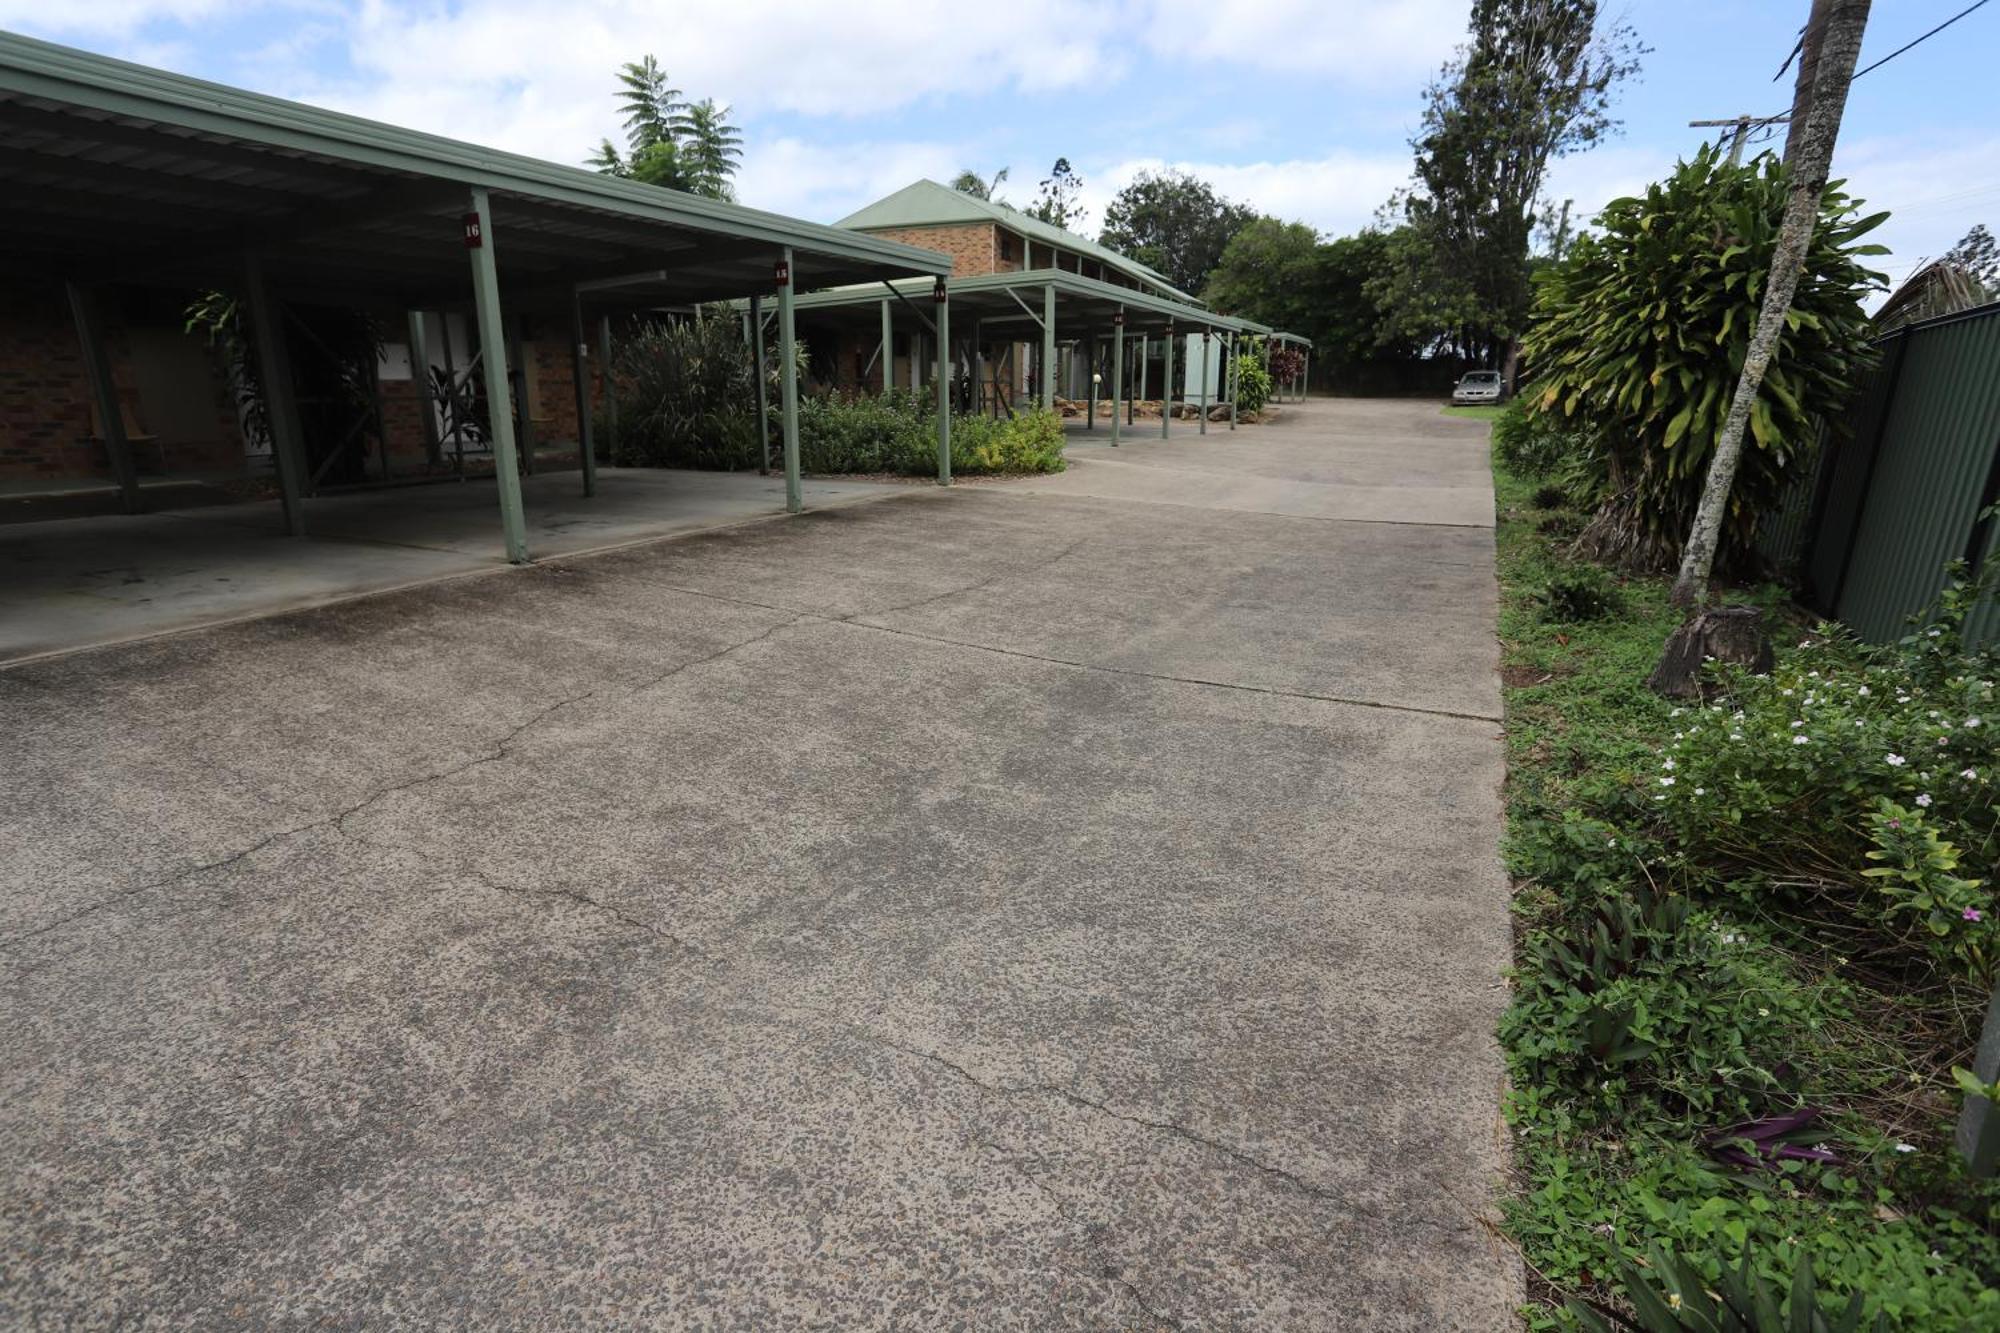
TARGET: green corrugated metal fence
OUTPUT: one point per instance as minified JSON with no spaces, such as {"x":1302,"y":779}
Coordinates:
{"x":1899,"y":496}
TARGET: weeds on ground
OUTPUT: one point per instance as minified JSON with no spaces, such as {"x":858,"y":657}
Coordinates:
{"x":1746,"y":967}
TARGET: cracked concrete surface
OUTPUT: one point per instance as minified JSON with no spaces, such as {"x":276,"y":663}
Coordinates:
{"x":1018,"y":907}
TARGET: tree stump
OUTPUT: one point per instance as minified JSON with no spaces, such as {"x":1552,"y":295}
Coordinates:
{"x":1733,"y":634}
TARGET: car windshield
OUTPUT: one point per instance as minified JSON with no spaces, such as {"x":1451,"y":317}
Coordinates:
{"x":1483,"y":377}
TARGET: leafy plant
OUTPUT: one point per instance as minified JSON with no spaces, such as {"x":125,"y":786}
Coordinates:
{"x":1580,"y":592}
{"x":1253,"y":384}
{"x":1640,"y":332}
{"x":679,"y":385}
{"x":1743,"y":1302}
{"x":1534,"y":444}
{"x":1287,"y":364}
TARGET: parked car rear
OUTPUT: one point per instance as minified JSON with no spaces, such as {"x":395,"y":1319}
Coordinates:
{"x":1477,"y":386}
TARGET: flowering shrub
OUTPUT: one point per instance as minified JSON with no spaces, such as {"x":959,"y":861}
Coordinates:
{"x":1843,"y":757}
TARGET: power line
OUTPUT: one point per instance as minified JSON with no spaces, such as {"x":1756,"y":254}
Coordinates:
{"x":1926,"y":37}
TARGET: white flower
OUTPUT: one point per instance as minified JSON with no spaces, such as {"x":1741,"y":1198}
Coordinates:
{"x":1668,"y":764}
{"x":1786,"y":693}
{"x":1763,"y":1013}
{"x":1701,"y":791}
{"x":1934,"y":633}
{"x":1677,"y":712}
{"x":1924,"y":800}
{"x":1906,"y":1147}
{"x":1813,"y":674}
{"x":1801,"y":740}
{"x":1972,"y":722}
{"x":1970,"y":775}
{"x":1894,"y":760}
{"x":1735,"y":735}
{"x":1798,"y":724}
{"x":1863,"y":691}
{"x":1666,"y":782}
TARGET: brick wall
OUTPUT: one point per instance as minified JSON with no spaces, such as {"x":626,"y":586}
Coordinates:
{"x":973,"y":246}
{"x":44,"y":397}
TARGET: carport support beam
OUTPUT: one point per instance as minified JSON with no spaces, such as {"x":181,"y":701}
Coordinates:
{"x":1167,"y":381}
{"x":788,"y":386}
{"x":763,"y":387}
{"x":104,"y":392}
{"x":580,"y":372}
{"x":1306,"y":375}
{"x":1204,"y":382}
{"x":517,"y":353}
{"x":942,"y":296}
{"x":420,"y":380}
{"x":493,"y":364}
{"x":1235,"y":383}
{"x":1145,"y":351}
{"x":1049,"y":347}
{"x":888,"y":351}
{"x":281,"y":404}
{"x":1117,"y":373}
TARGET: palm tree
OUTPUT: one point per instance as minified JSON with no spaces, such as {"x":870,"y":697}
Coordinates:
{"x":712,"y":147}
{"x":652,"y":107}
{"x":970,"y":182}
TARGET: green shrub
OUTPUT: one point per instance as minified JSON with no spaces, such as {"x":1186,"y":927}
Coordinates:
{"x":1671,"y":1295}
{"x":1647,"y":999}
{"x":897,"y":433}
{"x":1253,"y":384}
{"x":1861,"y":780}
{"x":1530,"y":443}
{"x":1640,"y":334}
{"x":686,"y":395}
{"x":1580,"y":592}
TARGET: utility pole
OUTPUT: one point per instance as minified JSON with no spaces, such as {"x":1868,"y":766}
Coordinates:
{"x":1838,"y":49}
{"x":1810,"y":43}
{"x":1743,"y":125}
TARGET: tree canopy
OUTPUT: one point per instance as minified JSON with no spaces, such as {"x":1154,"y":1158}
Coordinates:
{"x":1175,"y":223}
{"x":971,"y":182}
{"x":1057,"y":201}
{"x":1535,"y":83}
{"x":669,"y":141}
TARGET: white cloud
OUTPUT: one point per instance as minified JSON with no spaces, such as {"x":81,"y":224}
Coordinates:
{"x":827,"y":181}
{"x":1355,"y":41}
{"x":106,"y":18}
{"x":1336,"y":194}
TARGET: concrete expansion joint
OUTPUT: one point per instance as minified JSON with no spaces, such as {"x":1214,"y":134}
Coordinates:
{"x":598,"y":905}
{"x":1471,"y":1218}
{"x":1107,"y":1269}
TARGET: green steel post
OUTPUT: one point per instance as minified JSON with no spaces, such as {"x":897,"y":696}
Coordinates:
{"x":788,"y":385}
{"x":1166,"y":381}
{"x":978,"y":368}
{"x":610,"y":385}
{"x":941,"y":296}
{"x":104,"y":393}
{"x":420,"y":380}
{"x":1090,"y":384}
{"x":281,"y":403}
{"x":524,"y":429}
{"x":1049,"y":347}
{"x":493,"y":364}
{"x":580,"y":372}
{"x":1145,"y":351}
{"x":1306,"y":376}
{"x":1117,"y":372}
{"x":1235,"y":382}
{"x":888,"y":351}
{"x":1204,"y":381}
{"x":763,"y":388}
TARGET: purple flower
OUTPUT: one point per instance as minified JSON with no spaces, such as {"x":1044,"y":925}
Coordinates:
{"x":1971,"y":914}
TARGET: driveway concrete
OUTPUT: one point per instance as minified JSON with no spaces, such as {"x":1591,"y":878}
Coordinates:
{"x":70,"y":583}
{"x":1012,"y":907}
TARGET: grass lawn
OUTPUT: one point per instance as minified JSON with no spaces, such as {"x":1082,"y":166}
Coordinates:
{"x":1715,"y":1001}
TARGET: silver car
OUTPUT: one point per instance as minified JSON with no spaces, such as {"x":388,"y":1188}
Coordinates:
{"x":1477,"y":386}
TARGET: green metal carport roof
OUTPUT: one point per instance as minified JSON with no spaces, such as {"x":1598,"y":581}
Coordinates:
{"x":116,"y":173}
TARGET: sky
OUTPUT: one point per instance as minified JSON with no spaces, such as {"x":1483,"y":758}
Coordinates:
{"x":1300,"y":108}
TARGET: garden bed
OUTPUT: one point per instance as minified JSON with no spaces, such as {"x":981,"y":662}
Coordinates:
{"x":1745,"y":970}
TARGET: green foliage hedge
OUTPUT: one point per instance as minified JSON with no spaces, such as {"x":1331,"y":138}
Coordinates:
{"x":1640,"y":333}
